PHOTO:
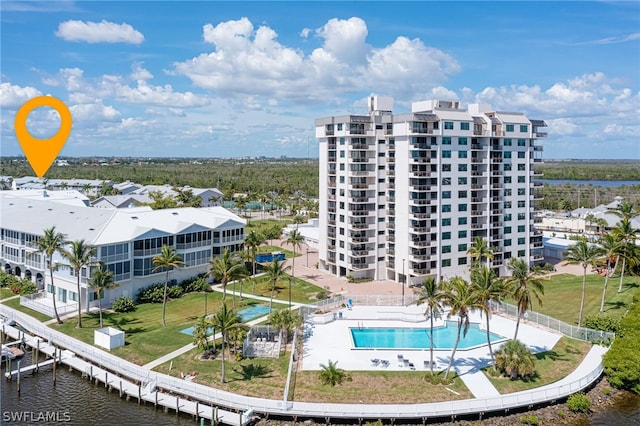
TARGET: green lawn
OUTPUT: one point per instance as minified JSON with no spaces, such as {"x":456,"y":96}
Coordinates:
{"x":15,"y":304}
{"x":301,"y":291}
{"x":562,"y":294}
{"x":145,"y":337}
{"x":265,"y":378}
{"x":5,"y":292}
{"x":551,"y":366}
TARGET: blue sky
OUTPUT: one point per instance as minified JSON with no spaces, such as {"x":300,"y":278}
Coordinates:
{"x":228,"y":79}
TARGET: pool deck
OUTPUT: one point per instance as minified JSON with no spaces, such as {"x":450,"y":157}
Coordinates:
{"x":333,"y":341}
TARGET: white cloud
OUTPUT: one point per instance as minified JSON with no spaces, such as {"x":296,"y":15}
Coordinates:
{"x":345,"y":39}
{"x":612,"y":40}
{"x":93,"y":112}
{"x":246,"y":61}
{"x":12,"y":96}
{"x":116,"y":87}
{"x":305,"y":32}
{"x":140,"y":73}
{"x":99,"y":32}
{"x":562,"y":126}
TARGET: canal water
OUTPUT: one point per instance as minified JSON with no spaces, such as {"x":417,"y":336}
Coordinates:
{"x":76,"y":401}
{"x":607,"y":183}
{"x":73,"y":401}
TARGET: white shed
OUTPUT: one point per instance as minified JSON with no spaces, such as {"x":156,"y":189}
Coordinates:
{"x":108,"y":337}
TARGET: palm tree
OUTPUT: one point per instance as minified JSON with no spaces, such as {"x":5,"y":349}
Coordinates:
{"x":584,"y":255}
{"x":515,"y":359}
{"x":610,"y":247}
{"x":286,"y":321}
{"x":79,"y":256}
{"x":295,"y":239}
{"x":252,"y":241}
{"x":167,"y":260}
{"x":480,"y":250}
{"x":275,"y":271}
{"x":330,"y":374}
{"x":488,"y":288}
{"x":226,"y":268}
{"x":101,"y":279}
{"x":625,"y":233}
{"x":431,"y":294}
{"x":524,"y":286}
{"x":200,"y":333}
{"x":298,"y":219}
{"x":224,"y":320}
{"x":48,"y":244}
{"x":460,"y":300}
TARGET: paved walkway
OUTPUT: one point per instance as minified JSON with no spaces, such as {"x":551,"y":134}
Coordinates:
{"x":477,"y":382}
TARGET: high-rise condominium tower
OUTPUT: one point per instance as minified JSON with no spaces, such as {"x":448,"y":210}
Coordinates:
{"x":403,"y":196}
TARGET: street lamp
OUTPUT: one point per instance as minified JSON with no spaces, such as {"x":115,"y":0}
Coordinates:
{"x":307,"y":257}
{"x":404,"y":279}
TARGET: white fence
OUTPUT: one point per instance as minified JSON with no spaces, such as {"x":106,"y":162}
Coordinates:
{"x":40,"y":303}
{"x":569,"y":330}
{"x":210,"y":395}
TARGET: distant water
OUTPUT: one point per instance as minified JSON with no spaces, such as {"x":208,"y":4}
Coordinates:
{"x":609,"y":183}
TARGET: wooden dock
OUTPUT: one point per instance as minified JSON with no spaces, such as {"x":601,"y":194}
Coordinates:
{"x":143,"y":392}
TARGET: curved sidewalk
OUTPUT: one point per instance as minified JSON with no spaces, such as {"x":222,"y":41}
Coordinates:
{"x":588,"y":371}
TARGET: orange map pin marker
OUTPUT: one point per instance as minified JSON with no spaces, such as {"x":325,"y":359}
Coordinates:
{"x":41,"y":153}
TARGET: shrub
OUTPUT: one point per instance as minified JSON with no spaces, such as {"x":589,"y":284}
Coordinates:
{"x":173,"y":292}
{"x":622,"y":359}
{"x":602,"y":322}
{"x":529,"y":419}
{"x":606,"y":391}
{"x":123,"y":304}
{"x":27,"y":287}
{"x":579,"y":403}
{"x":155,"y":293}
{"x":514,"y":360}
{"x":191,"y":285}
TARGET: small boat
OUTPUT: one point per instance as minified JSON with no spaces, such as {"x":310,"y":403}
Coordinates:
{"x":10,"y":352}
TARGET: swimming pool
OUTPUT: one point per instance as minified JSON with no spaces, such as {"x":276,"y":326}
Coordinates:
{"x":252,"y":312}
{"x":418,"y":338}
{"x":245,"y":315}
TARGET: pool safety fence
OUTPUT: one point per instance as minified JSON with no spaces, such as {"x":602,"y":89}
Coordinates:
{"x":575,"y":332}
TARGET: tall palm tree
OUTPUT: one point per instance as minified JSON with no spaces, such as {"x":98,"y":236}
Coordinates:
{"x":295,"y":239}
{"x":79,"y":256}
{"x":610,"y":247}
{"x":583,"y":254}
{"x":226,"y":268}
{"x":488,"y":288}
{"x":524,"y":286}
{"x":224,"y":320}
{"x":252,"y":241}
{"x":275,"y":271}
{"x":167,"y":260}
{"x":480,"y":250}
{"x":460,"y":300}
{"x":101,"y":280}
{"x":625,"y":233}
{"x":48,"y":244}
{"x":432,"y":294}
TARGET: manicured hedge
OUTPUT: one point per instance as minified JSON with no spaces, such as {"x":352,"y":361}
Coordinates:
{"x":622,"y":361}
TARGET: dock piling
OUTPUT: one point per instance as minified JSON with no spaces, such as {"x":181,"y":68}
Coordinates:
{"x":19,"y":361}
{"x":54,"y":366}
